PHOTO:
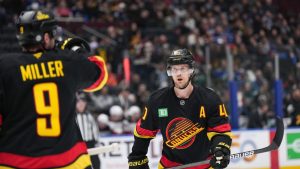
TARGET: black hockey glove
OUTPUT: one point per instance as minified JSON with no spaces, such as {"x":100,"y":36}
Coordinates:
{"x":138,"y":162}
{"x":221,"y":156}
{"x":76,"y":44}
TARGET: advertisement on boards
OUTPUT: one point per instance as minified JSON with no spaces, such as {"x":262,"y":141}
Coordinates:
{"x":250,"y":140}
{"x":288,"y":154}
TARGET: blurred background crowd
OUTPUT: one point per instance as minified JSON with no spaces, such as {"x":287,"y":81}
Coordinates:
{"x":145,"y":32}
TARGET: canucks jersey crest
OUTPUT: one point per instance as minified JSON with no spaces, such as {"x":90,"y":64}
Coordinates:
{"x":181,"y":133}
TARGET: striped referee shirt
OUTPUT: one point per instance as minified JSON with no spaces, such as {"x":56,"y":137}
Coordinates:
{"x":88,"y":126}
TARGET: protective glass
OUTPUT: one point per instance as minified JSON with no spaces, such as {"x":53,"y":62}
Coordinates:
{"x":174,"y":71}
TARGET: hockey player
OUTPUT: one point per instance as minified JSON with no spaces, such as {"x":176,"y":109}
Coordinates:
{"x":193,"y":121}
{"x":37,"y":98}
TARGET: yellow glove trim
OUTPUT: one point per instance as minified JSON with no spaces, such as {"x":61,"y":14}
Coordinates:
{"x":138,"y":163}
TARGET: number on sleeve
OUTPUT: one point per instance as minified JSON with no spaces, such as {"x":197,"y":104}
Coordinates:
{"x":145,"y":113}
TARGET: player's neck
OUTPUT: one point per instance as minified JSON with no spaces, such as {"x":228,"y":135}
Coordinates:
{"x":184,"y":93}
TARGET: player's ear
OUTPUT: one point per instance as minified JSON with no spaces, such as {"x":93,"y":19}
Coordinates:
{"x":192,"y":71}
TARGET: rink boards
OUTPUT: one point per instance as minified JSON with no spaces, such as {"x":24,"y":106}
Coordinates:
{"x":288,"y":156}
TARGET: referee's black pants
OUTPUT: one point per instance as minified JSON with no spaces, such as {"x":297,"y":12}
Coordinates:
{"x":95,"y":158}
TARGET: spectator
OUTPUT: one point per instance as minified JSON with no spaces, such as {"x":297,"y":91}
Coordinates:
{"x":116,"y":114}
{"x":103,"y":124}
{"x":102,"y":100}
{"x":62,"y":9}
{"x":126,"y":99}
{"x":296,"y":107}
{"x":112,"y":80}
{"x":132,"y":115}
{"x":254,"y":30}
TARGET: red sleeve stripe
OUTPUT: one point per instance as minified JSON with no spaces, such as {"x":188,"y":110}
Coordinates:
{"x":103,"y":76}
{"x":144,"y":133}
{"x":220,"y":128}
{"x":46,"y":161}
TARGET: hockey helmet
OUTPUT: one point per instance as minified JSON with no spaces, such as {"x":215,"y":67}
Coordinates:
{"x":181,"y":56}
{"x":31,"y":26}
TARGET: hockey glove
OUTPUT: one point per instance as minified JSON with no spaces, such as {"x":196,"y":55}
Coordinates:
{"x":221,"y":156}
{"x":138,"y":162}
{"x":76,"y":44}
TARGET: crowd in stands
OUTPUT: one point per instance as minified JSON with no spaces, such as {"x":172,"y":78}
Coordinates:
{"x":146,"y":31}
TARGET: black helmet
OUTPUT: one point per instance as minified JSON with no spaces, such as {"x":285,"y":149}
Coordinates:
{"x":181,"y":56}
{"x":31,"y":26}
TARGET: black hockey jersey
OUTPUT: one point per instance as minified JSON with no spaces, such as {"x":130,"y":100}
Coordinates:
{"x":37,"y":99}
{"x":187,"y":125}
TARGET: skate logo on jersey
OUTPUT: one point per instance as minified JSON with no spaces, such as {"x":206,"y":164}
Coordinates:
{"x":181,"y":133}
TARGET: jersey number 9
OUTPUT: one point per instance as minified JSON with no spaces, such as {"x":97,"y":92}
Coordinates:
{"x":47,"y":107}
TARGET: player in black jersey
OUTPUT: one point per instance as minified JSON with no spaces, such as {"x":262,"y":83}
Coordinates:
{"x":193,"y":121}
{"x":37,"y":98}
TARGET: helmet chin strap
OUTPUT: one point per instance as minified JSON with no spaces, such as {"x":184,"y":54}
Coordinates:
{"x":187,"y":83}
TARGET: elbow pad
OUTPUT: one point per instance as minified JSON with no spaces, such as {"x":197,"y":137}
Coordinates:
{"x":76,"y":44}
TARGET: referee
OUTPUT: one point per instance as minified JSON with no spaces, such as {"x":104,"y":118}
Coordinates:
{"x":88,"y":127}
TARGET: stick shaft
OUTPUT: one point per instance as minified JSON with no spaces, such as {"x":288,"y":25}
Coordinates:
{"x":103,"y":149}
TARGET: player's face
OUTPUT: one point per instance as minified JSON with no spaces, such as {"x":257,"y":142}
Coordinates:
{"x":80,"y":106}
{"x":180,"y":75}
{"x":48,"y":41}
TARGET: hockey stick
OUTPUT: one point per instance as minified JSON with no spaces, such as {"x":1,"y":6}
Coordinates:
{"x":273,"y":146}
{"x":103,"y":149}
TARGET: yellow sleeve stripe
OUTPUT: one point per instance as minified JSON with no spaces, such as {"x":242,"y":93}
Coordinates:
{"x":5,"y":167}
{"x":160,"y":166}
{"x":211,"y":134}
{"x":65,"y":43}
{"x":82,"y":162}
